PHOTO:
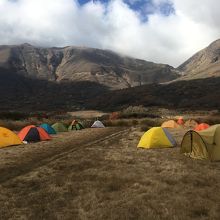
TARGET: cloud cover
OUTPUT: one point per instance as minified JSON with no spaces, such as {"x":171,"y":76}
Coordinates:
{"x":114,"y":25}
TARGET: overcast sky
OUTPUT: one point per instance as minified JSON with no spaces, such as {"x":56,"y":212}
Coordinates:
{"x":164,"y":31}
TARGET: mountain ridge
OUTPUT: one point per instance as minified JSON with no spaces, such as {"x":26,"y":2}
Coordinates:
{"x":203,"y":64}
{"x":83,"y":64}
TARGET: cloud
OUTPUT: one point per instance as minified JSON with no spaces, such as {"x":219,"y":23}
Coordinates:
{"x":165,"y":38}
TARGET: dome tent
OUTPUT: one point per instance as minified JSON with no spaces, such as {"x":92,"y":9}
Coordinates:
{"x":180,"y":121}
{"x":75,"y":125}
{"x":59,"y":127}
{"x":32,"y":133}
{"x":191,"y":124}
{"x":170,"y":124}
{"x":8,"y":138}
{"x":202,"y":144}
{"x":48,"y":128}
{"x":157,"y":137}
{"x":97,"y":124}
{"x":201,"y":127}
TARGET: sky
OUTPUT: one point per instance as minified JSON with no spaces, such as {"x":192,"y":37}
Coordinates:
{"x":162,"y":31}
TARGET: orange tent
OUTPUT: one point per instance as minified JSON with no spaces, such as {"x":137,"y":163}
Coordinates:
{"x":44,"y":136}
{"x":33,"y":133}
{"x":201,"y":127}
{"x":170,"y":124}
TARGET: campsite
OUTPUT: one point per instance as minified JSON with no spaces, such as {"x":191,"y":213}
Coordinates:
{"x":100,"y":173}
{"x":109,"y":110}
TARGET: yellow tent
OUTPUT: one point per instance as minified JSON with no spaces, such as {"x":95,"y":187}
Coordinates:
{"x":170,"y":124}
{"x":8,"y":138}
{"x":157,"y":137}
{"x":204,"y":144}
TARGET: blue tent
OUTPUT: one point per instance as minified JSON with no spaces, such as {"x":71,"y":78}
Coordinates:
{"x":48,"y":128}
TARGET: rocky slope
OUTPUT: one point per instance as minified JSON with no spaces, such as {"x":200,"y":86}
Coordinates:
{"x":204,"y":64}
{"x":83,"y":64}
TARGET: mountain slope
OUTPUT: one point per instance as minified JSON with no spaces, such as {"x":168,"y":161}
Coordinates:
{"x":204,"y":64}
{"x":188,"y":94}
{"x":20,"y":93}
{"x":83,"y":64}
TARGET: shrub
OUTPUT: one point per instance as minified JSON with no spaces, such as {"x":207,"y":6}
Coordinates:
{"x":120,"y":123}
{"x":151,"y":122}
{"x":136,"y":112}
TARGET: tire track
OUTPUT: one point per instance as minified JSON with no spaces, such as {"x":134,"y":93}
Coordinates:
{"x":26,"y":168}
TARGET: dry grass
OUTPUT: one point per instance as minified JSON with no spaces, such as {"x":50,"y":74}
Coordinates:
{"x":87,"y":114}
{"x":110,"y":179}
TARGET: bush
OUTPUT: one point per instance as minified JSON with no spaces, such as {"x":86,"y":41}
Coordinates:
{"x":136,"y":112}
{"x":151,"y":122}
{"x":120,"y":123}
{"x":13,"y":115}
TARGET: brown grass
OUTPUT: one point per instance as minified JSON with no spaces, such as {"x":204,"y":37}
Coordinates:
{"x":76,"y":178}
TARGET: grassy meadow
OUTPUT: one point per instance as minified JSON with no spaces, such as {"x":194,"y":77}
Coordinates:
{"x":100,"y":173}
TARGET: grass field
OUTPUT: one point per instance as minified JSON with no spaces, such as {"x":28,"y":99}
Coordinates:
{"x":100,"y":174}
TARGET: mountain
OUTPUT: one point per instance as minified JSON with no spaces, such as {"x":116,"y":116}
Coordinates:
{"x":74,"y":78}
{"x":204,"y":64}
{"x":79,"y":64}
{"x":25,"y":94}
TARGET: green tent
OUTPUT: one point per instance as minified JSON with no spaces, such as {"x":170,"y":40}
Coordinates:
{"x":59,"y":127}
{"x":203,"y":144}
{"x":75,"y":126}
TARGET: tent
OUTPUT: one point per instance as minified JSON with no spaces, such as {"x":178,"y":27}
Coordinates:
{"x":48,"y":128}
{"x":191,"y":124}
{"x":201,"y":127}
{"x":180,"y":121}
{"x":202,"y":144}
{"x":170,"y":124}
{"x":75,"y":125}
{"x":59,"y":127}
{"x":97,"y":124}
{"x":8,"y":138}
{"x":157,"y":137}
{"x":33,"y":133}
{"x":114,"y":116}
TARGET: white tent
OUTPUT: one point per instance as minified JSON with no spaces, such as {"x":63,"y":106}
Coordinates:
{"x":97,"y":124}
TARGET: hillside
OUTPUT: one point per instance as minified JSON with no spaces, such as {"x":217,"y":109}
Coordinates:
{"x":181,"y":94}
{"x":71,"y":78}
{"x":25,"y":94}
{"x":19,"y":93}
{"x":78,"y":64}
{"x":204,"y":64}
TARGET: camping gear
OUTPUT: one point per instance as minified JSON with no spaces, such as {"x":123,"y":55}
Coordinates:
{"x":191,"y":124}
{"x":180,"y":121}
{"x":48,"y":128}
{"x":202,"y":144}
{"x":157,"y":137}
{"x":97,"y":124}
{"x":8,"y":138}
{"x":114,"y":116}
{"x":170,"y":124}
{"x":201,"y":127}
{"x":75,"y":125}
{"x":59,"y":127}
{"x":32,"y":133}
